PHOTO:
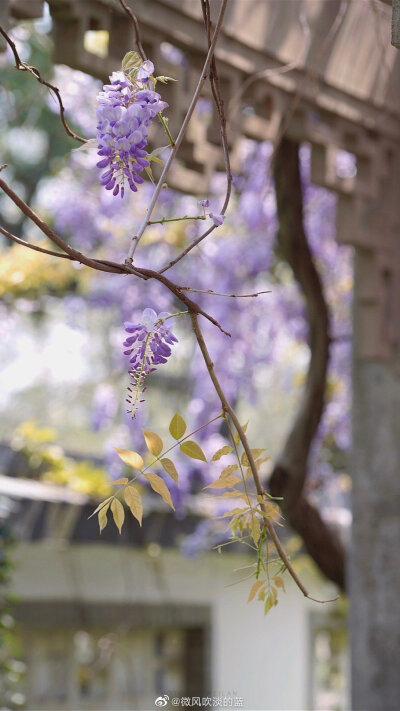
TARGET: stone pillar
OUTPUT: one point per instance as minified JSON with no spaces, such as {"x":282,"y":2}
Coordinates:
{"x":374,"y":564}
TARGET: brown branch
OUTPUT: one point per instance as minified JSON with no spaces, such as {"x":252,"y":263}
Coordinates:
{"x":177,"y":291}
{"x":35,"y":247}
{"x":54,"y":237}
{"x":99,"y":264}
{"x":226,"y":407}
{"x":134,"y":19}
{"x":23,"y":67}
{"x":290,"y":472}
{"x":217,"y":293}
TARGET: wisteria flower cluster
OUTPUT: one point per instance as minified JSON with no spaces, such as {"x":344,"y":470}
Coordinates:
{"x":125,"y":111}
{"x":148,"y":345}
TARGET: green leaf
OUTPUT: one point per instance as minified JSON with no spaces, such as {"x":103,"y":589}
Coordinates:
{"x":193,"y":450}
{"x":133,"y":459}
{"x":159,"y":486}
{"x":103,"y":517}
{"x":118,"y":513}
{"x":158,"y":160}
{"x":154,"y":442}
{"x":131,"y":60}
{"x":221,"y":453}
{"x":134,"y":501}
{"x":170,"y":468}
{"x":150,"y":173}
{"x":165,"y":80}
{"x":177,"y":426}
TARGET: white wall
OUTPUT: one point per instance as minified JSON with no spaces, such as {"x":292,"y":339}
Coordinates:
{"x":263,"y":659}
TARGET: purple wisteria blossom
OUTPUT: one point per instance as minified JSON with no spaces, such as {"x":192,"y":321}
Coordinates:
{"x":124,"y":113}
{"x":217,"y":219}
{"x":148,"y":345}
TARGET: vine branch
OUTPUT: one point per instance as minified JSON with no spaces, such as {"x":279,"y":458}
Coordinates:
{"x":24,"y":67}
{"x":290,"y":472}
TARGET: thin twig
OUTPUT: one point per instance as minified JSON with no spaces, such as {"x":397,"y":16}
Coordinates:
{"x":176,"y":219}
{"x":219,"y":104}
{"x":217,"y":293}
{"x":35,"y":247}
{"x":23,"y":67}
{"x":54,"y":237}
{"x":181,"y":134}
{"x":134,"y":19}
{"x":177,"y":291}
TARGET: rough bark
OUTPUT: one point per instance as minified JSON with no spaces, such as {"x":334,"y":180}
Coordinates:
{"x":290,"y":471}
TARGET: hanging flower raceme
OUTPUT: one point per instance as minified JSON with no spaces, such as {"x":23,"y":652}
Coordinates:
{"x":126,"y":108}
{"x":148,"y":345}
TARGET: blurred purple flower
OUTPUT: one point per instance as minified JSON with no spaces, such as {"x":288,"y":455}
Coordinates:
{"x":148,"y":345}
{"x":217,"y":219}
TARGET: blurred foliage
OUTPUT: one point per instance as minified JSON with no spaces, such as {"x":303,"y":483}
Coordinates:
{"x":25,"y":273}
{"x":47,"y":460}
{"x":34,"y":143}
{"x":11,"y":667}
{"x":25,"y":113}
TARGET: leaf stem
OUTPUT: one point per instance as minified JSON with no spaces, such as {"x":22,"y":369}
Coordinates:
{"x":182,"y":440}
{"x":176,"y":219}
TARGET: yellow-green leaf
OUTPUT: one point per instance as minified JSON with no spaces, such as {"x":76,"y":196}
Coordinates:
{"x":132,"y":459}
{"x":254,"y":588}
{"x":170,"y":468}
{"x":255,"y":452}
{"x":100,"y":506}
{"x":236,"y":511}
{"x":235,"y":494}
{"x":236,"y":437}
{"x":123,"y":480}
{"x":271,"y":600}
{"x":223,"y":482}
{"x":118,"y":513}
{"x":221,"y":452}
{"x":103,"y":517}
{"x":177,"y":426}
{"x":193,"y":450}
{"x":134,"y":501}
{"x":229,"y":470}
{"x":159,"y":486}
{"x":154,"y":442}
{"x":255,"y":529}
{"x":279,"y":582}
